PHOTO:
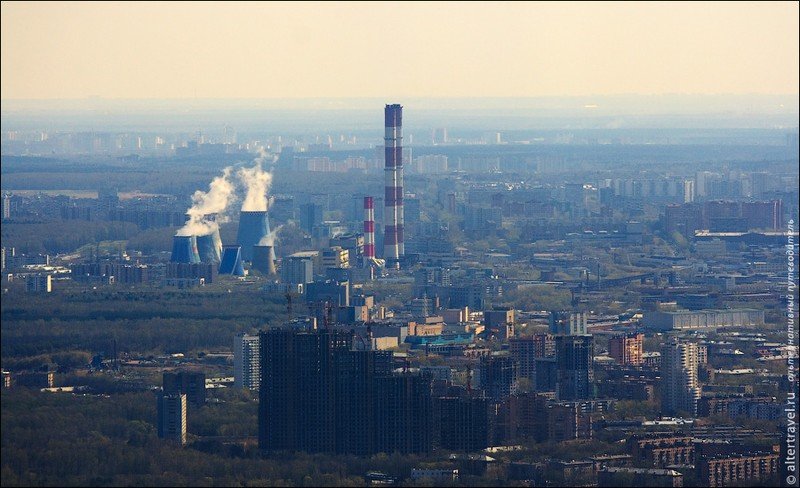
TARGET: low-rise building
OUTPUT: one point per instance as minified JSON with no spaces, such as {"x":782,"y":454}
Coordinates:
{"x":621,"y":476}
{"x":434,"y":474}
{"x":702,"y":319}
{"x":725,"y":470}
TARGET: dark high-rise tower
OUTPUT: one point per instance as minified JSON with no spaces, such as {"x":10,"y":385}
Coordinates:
{"x":575,"y":373}
{"x":297,"y":394}
{"x":190,"y":383}
{"x":319,"y":395}
{"x":393,"y":249}
{"x":499,"y":376}
{"x":357,"y":415}
{"x":405,"y":407}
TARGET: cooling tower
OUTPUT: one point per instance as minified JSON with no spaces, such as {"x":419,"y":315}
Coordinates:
{"x":253,"y":226}
{"x":264,"y":259}
{"x":231,"y":263}
{"x":209,"y":247}
{"x":184,"y":250}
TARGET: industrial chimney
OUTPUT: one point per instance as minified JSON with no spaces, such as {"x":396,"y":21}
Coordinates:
{"x":393,"y":248}
{"x":369,"y":230}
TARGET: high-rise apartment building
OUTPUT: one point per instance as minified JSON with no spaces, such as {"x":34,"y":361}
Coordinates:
{"x":310,"y":215}
{"x":319,"y":395}
{"x":246,"y":368}
{"x":405,"y":414}
{"x":299,"y":268}
{"x":296,"y":409}
{"x":172,"y":416}
{"x":6,"y":206}
{"x":190,"y":383}
{"x":680,"y":390}
{"x":574,"y":368}
{"x":357,"y":415}
{"x":498,"y":376}
{"x":464,"y":423}
{"x":627,"y":348}
{"x":525,"y":351}
{"x":568,"y":323}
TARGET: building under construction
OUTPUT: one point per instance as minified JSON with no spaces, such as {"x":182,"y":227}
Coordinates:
{"x":319,"y":395}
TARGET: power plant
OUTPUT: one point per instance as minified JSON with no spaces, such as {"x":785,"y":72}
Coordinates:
{"x":264,"y":259}
{"x":231,"y":261}
{"x":253,"y":227}
{"x":393,"y":249}
{"x":184,"y":250}
{"x":199,"y":240}
{"x":209,"y":247}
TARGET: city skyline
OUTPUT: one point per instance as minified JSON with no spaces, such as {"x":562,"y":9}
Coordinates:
{"x":399,"y":244}
{"x":386,"y":49}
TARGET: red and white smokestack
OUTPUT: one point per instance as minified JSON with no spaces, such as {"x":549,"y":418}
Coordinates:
{"x":369,"y":230}
{"x":393,"y":248}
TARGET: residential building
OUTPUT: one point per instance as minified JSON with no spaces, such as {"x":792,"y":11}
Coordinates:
{"x":627,"y":348}
{"x":680,"y":389}
{"x":172,"y":417}
{"x":246,"y":356}
{"x":574,"y":367}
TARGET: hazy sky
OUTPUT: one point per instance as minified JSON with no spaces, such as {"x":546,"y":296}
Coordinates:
{"x":394,"y":50}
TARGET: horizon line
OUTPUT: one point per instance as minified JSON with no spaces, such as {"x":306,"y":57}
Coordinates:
{"x":418,"y":97}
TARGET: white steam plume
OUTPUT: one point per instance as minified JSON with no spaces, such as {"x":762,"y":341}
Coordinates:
{"x":269,"y":239}
{"x":256,"y":181}
{"x":215,"y":201}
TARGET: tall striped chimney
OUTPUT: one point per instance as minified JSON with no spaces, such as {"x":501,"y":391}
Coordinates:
{"x":393,"y":248}
{"x":369,"y":230}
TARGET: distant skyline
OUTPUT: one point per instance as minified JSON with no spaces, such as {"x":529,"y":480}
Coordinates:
{"x":395,"y":50}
